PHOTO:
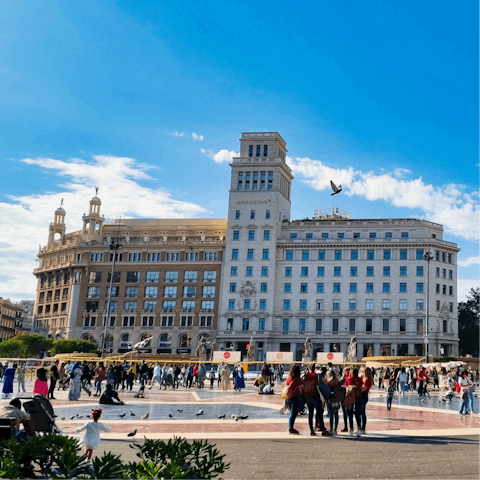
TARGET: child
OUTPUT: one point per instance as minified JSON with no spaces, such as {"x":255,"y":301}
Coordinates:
{"x":390,"y":393}
{"x":212,"y":377}
{"x":91,"y":437}
{"x":140,"y":393}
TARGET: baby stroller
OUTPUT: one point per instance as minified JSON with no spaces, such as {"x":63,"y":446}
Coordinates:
{"x":65,"y":383}
{"x":41,"y":412}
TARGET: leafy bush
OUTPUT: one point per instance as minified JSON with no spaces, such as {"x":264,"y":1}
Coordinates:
{"x":24,"y":345}
{"x":71,"y":345}
{"x":446,"y":358}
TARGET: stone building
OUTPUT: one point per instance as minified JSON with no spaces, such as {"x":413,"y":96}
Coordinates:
{"x":330,"y":277}
{"x":165,"y":284}
{"x":10,"y":318}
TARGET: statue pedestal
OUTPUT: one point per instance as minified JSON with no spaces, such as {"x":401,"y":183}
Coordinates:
{"x":307,"y":359}
{"x":202,"y":357}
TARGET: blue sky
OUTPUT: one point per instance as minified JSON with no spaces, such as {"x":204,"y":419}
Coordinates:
{"x":150,"y":98}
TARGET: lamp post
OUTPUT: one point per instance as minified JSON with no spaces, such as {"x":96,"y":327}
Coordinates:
{"x":428,"y":257}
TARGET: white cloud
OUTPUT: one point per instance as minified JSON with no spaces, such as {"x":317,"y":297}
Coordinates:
{"x":178,"y":134}
{"x":25,"y":219}
{"x":447,"y":205}
{"x":469,"y":261}
{"x":401,"y":172}
{"x":222,"y":156}
{"x":463,"y":288}
{"x":197,"y":137}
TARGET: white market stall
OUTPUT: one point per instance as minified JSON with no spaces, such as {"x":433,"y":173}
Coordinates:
{"x":227,"y":356}
{"x":285,"y":357}
{"x":334,"y":357}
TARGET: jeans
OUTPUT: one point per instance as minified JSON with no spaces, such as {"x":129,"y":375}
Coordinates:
{"x":98,"y":387}
{"x":333,"y":417}
{"x":156,"y":379}
{"x":389,"y":402}
{"x":295,"y":404}
{"x":464,"y":407}
{"x":470,"y":400}
{"x":360,"y":412}
{"x":51,"y":390}
{"x":314,"y":406}
{"x":21,"y":382}
{"x":401,"y":387}
{"x":420,"y":388}
{"x":348,"y":414}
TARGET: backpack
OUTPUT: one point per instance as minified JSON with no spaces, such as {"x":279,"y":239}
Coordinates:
{"x":324,"y":390}
{"x":337,"y":398}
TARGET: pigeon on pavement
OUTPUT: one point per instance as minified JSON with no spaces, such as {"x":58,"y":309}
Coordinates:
{"x":200,"y":412}
{"x":145,"y":417}
{"x":63,"y":418}
{"x":179,"y":410}
{"x":123,"y":414}
{"x":71,"y":418}
{"x":132,"y":414}
{"x":132,"y":434}
{"x":335,"y":188}
{"x":221,"y":416}
{"x":170,"y":415}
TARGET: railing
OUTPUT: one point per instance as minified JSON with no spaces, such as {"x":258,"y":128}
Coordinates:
{"x":188,"y":309}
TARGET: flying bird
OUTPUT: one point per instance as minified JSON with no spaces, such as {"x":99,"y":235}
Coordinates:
{"x":200,"y":412}
{"x":335,"y":188}
{"x":123,"y":414}
{"x":132,"y":414}
{"x":145,"y":417}
{"x":132,"y":434}
{"x":221,"y":416}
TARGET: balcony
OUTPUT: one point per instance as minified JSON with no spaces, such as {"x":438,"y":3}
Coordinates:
{"x":131,"y":295}
{"x":129,"y":310}
{"x":148,"y":310}
{"x":190,"y":295}
{"x":171,"y":280}
{"x":190,"y":280}
{"x":170,"y":295}
{"x":209,"y":295}
{"x":166,"y":310}
{"x":205,"y":310}
{"x":188,"y":309}
{"x":93,"y":296}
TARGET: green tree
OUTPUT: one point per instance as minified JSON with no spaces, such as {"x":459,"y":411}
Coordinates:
{"x":468,"y":327}
{"x":71,"y":345}
{"x":24,"y":345}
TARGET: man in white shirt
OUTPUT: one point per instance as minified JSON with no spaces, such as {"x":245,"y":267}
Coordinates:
{"x":157,"y":376}
{"x":14,"y":410}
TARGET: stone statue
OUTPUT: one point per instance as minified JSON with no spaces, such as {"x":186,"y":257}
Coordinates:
{"x":214,"y":346}
{"x":143,"y":344}
{"x":251,"y":350}
{"x":370,"y":352}
{"x":352,"y":350}
{"x":307,"y":348}
{"x":201,"y":349}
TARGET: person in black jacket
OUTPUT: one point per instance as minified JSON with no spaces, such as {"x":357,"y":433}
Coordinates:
{"x":110,"y":396}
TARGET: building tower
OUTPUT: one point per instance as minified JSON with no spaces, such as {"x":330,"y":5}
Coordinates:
{"x":56,"y":232}
{"x":93,"y":222}
{"x":259,"y":200}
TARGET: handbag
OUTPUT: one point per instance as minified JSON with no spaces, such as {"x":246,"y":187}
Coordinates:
{"x":287,"y":391}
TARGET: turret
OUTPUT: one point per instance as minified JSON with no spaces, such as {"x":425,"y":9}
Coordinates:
{"x":93,"y":222}
{"x":57,"y":228}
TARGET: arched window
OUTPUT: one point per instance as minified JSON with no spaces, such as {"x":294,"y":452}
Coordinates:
{"x":184,"y":340}
{"x":125,"y":337}
{"x":145,"y":335}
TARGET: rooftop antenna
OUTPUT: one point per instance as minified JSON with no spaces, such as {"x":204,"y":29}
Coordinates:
{"x":96,"y":191}
{"x":61,"y":203}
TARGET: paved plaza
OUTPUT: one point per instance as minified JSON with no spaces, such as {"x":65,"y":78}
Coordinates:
{"x":415,"y":427}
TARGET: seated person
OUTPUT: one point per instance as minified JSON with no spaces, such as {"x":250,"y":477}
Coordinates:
{"x":140,"y":393}
{"x":14,"y":410}
{"x":266,"y":389}
{"x":110,"y":396}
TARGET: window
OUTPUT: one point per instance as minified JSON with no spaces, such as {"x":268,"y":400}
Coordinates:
{"x":207,"y":306}
{"x":263,"y":287}
{"x":235,"y":254}
{"x":149,"y":306}
{"x":170,"y":292}
{"x":403,"y":325}
{"x":437,"y":272}
{"x":171,"y":277}
{"x":319,"y":304}
{"x":93,"y":292}
{"x":419,"y":305}
{"x":369,"y":305}
{"x":437,"y":305}
{"x":233,"y":287}
{"x":369,"y":287}
{"x":250,"y":254}
{"x":445,"y":326}
{"x":419,"y":271}
{"x":229,"y":324}
{"x":403,"y":255}
{"x":113,"y":306}
{"x":352,"y":305}
{"x":309,"y":236}
{"x":404,"y":235}
{"x":131,"y":292}
{"x":287,"y":288}
{"x":134,"y":257}
{"x":354,"y":255}
{"x":304,"y":272}
{"x":370,"y":254}
{"x":289,"y":255}
{"x":264,"y":271}
{"x":403,"y":305}
{"x":305,"y":254}
{"x":130,"y":307}
{"x":351,"y":325}
{"x":247,"y":181}
{"x":128,"y":321}
{"x":236,"y":235}
{"x":209,"y":276}
{"x":211,"y":256}
{"x":152,"y":277}
{"x":261,"y":324}
{"x":321,"y":254}
{"x":301,"y":324}
{"x":336,"y":304}
{"x":386,"y":271}
{"x":449,"y":258}
{"x":152,"y":292}
{"x":369,"y":271}
{"x":208,"y":292}
{"x":293,"y":236}
{"x":266,"y":234}
{"x":286,"y":304}
{"x":419,"y":254}
{"x":387,"y":254}
{"x":321,"y":271}
{"x":286,"y":325}
{"x":320,"y":288}
{"x":368,"y":325}
{"x":338,"y":254}
{"x":336,"y":288}
{"x":90,"y":307}
{"x":237,"y":215}
{"x":246,"y":304}
{"x":450,"y":305}
{"x":353,"y":271}
{"x":403,"y":271}
{"x":191,"y":257}
{"x":231,"y":304}
{"x":450,"y":290}
{"x":89,"y":321}
{"x":97,"y":257}
{"x":386,"y":324}
{"x":172,"y":257}
{"x":444,"y":273}
{"x":340,"y":235}
{"x":419,"y":325}
{"x":372,"y":235}
{"x":288,"y":271}
{"x":206,"y":321}
{"x":388,"y":234}
{"x":437,"y":288}
{"x":303,"y":304}
{"x":324,"y":235}
{"x":318,"y":324}
{"x":249,"y":271}
{"x":386,"y":287}
{"x":356,"y":235}
{"x":443,"y":257}
{"x":403,"y":287}
{"x":335,"y":324}
{"x":94,"y":277}
{"x":250,"y":150}
{"x":233,"y":271}
{"x":386,"y":304}
{"x":265,"y":254}
{"x":258,"y":151}
{"x":267,"y":215}
{"x":252,"y":214}
{"x":304,"y":288}
{"x":186,"y":321}
{"x":353,"y":288}
{"x":419,"y":287}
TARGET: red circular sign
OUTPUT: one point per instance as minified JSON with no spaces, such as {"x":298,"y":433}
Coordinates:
{"x":226,"y":355}
{"x":330,"y":356}
{"x":279,"y":355}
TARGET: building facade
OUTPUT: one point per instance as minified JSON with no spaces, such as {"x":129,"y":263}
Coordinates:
{"x":330,"y":277}
{"x":10,"y":318}
{"x":165,"y":284}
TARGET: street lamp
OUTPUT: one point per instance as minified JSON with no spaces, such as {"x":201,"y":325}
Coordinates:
{"x":428,"y":257}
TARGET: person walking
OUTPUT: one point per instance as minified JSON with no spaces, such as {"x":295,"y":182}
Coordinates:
{"x":157,"y":376}
{"x":100,"y":374}
{"x":239,"y":377}
{"x":464,"y":384}
{"x":402,"y":379}
{"x":390,"y":393}
{"x":9,"y":374}
{"x":294,"y":382}
{"x":21,"y":377}
{"x":91,"y":437}
{"x":225,"y":374}
{"x":75,"y":389}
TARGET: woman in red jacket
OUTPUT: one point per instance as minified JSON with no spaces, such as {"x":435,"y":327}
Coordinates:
{"x":295,"y":402}
{"x":361,"y":403}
